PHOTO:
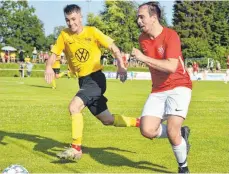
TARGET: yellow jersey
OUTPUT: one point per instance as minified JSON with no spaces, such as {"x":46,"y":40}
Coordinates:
{"x":56,"y":64}
{"x":2,"y":54}
{"x":82,"y":50}
{"x":27,"y":59}
{"x":13,"y":55}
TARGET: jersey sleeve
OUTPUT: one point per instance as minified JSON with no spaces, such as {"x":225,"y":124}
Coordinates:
{"x":173,"y":46}
{"x":59,"y":45}
{"x":103,"y":39}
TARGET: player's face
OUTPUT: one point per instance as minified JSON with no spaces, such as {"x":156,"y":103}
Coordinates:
{"x":144,"y":20}
{"x":74,"y":21}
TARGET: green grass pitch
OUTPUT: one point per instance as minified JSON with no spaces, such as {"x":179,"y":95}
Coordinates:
{"x":35,"y":125}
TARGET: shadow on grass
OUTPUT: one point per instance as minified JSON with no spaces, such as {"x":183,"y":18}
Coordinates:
{"x":106,"y":156}
{"x":109,"y":156}
{"x":39,"y":86}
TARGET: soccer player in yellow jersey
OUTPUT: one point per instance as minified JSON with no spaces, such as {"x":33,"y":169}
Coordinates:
{"x":56,"y":69}
{"x":81,"y":47}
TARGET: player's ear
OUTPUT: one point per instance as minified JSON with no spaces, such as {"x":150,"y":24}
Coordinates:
{"x":81,"y":18}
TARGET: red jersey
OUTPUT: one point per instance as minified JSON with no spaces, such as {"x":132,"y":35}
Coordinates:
{"x":166,"y":45}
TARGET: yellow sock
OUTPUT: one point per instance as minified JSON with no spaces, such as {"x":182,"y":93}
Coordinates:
{"x":77,"y":128}
{"x":69,"y":74}
{"x":54,"y":83}
{"x":61,"y":74}
{"x":121,"y":121}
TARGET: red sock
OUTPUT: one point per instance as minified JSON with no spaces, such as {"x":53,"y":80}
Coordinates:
{"x":77,"y":147}
{"x":138,"y":122}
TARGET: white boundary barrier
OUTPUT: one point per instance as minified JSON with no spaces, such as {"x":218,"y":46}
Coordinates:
{"x":209,"y":76}
{"x":147,"y":76}
{"x":132,"y":75}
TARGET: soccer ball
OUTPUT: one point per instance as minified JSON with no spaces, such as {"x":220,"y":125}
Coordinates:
{"x":14,"y":169}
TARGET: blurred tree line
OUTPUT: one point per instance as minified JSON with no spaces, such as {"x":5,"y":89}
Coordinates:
{"x":21,"y":28}
{"x":202,"y":25}
{"x":204,"y":28}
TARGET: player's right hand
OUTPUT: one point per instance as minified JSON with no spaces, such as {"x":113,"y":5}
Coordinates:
{"x":49,"y":75}
{"x":138,"y":54}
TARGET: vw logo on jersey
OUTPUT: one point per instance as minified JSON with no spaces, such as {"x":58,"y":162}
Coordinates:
{"x":82,"y":55}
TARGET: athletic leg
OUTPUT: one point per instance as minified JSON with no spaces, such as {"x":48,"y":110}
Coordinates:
{"x":176,"y":109}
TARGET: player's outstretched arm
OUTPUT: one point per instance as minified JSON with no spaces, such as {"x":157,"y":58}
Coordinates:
{"x":49,"y":73}
{"x":120,"y":64}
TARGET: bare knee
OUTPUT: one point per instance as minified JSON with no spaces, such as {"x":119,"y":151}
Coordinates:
{"x":76,"y":106}
{"x":148,"y":132}
{"x":149,"y":126}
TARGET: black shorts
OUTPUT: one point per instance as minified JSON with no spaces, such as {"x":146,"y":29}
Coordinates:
{"x":56,"y":70}
{"x":92,"y":88}
{"x":22,"y":60}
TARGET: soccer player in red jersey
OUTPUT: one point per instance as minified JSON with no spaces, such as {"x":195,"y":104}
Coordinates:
{"x":171,"y":90}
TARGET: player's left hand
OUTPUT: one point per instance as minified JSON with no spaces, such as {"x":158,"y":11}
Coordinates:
{"x":122,"y":74}
{"x":49,"y":75}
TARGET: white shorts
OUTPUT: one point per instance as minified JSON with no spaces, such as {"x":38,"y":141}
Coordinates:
{"x":171,"y":102}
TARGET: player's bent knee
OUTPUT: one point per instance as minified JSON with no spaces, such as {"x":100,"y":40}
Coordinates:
{"x":74,"y":108}
{"x":148,"y":133}
{"x":76,"y":105}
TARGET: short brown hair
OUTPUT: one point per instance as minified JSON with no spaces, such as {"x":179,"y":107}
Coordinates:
{"x":153,"y":8}
{"x":72,"y":8}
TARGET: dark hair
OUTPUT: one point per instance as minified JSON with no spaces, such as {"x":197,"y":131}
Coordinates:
{"x":153,"y":8}
{"x":72,"y":8}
